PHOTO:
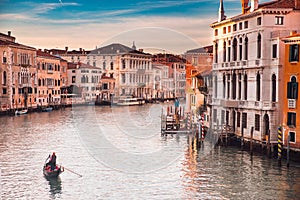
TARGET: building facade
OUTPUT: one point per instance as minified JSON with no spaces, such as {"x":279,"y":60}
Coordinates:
{"x":18,"y":78}
{"x":290,"y":86}
{"x":49,"y":78}
{"x":247,"y":69}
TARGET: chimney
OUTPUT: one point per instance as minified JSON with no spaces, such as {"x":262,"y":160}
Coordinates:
{"x":66,"y":48}
{"x":80,"y":49}
{"x":9,"y":33}
{"x":254,"y":5}
{"x":244,"y":5}
{"x":141,"y":50}
{"x":297,"y":4}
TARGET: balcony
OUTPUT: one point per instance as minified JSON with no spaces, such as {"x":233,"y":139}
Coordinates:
{"x":230,"y":103}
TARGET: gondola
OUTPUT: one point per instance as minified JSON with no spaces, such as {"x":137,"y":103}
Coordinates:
{"x":52,"y":174}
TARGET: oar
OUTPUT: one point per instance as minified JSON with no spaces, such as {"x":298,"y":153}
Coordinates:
{"x":73,"y":172}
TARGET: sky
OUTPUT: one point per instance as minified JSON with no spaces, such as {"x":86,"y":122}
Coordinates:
{"x":158,"y":25}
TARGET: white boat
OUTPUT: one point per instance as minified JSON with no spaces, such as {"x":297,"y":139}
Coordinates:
{"x":130,"y":101}
{"x":21,"y":112}
{"x":48,"y":109}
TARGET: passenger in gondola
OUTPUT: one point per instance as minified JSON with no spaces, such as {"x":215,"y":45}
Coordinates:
{"x":52,"y":161}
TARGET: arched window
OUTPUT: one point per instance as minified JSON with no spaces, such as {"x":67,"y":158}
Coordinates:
{"x":4,"y":57}
{"x":111,"y":66}
{"x":86,"y":79}
{"x":216,"y":52}
{"x":229,"y":51}
{"x":228,"y":86}
{"x":258,"y":87}
{"x":273,"y":88}
{"x":246,"y":49}
{"x":240,"y":86}
{"x":245,"y":86}
{"x":224,"y":51}
{"x":224,"y":85}
{"x":241,"y":49}
{"x":259,"y":46}
{"x":104,"y":65}
{"x":123,"y":64}
{"x":40,"y":82}
{"x":233,"y":86}
{"x":292,"y":91}
{"x":216,"y":86}
{"x":234,"y":46}
{"x":4,"y":78}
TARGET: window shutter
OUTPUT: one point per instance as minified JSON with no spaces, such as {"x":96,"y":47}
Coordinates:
{"x":289,"y":90}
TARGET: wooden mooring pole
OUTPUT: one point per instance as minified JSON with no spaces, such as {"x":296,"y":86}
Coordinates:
{"x":288,"y":151}
{"x":279,"y":145}
{"x":268,"y":145}
{"x":251,"y":141}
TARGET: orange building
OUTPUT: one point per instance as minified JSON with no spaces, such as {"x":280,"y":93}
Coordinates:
{"x":291,"y":104}
{"x":17,"y":74}
{"x":49,"y":78}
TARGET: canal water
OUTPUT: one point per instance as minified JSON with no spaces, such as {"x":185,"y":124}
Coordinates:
{"x":120,"y":154}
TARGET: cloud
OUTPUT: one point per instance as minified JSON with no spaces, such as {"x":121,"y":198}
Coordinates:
{"x":46,"y":7}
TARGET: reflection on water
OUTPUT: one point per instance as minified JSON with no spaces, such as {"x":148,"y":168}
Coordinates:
{"x":223,"y":173}
{"x":55,"y":187}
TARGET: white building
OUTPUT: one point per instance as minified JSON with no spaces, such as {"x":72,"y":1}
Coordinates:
{"x":248,"y":60}
{"x":85,"y":77}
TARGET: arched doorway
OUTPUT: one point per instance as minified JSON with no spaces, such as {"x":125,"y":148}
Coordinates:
{"x":266,"y":127}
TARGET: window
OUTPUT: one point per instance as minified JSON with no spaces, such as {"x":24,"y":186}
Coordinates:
{"x":224,"y":51}
{"x":227,"y":117}
{"x":240,"y":86}
{"x":258,"y":87}
{"x":244,"y":120}
{"x":111,"y":66}
{"x":258,"y":22}
{"x":233,"y":86}
{"x":229,"y":52}
{"x":73,"y":79}
{"x":228,"y":86}
{"x":292,"y":137}
{"x":4,"y":91}
{"x":246,"y":49}
{"x":273,"y":88}
{"x":238,"y":118}
{"x":216,"y":52}
{"x":240,"y":26}
{"x":241,"y":49}
{"x":216,"y":32}
{"x":292,"y":89}
{"x":94,"y":64}
{"x":229,"y":29}
{"x":257,"y":122}
{"x":104,"y":65}
{"x":4,"y":57}
{"x":216,"y":86}
{"x":234,"y":27}
{"x":215,"y":115}
{"x":224,"y":85}
{"x":224,"y":30}
{"x":234,"y":49}
{"x":195,"y":61}
{"x":123,"y":64}
{"x":123,"y":78}
{"x":294,"y":53}
{"x":259,"y":46}
{"x":4,"y":77}
{"x":222,"y":117}
{"x":246,"y":24}
{"x":245,"y":86}
{"x":291,"y":120}
{"x":274,"y":51}
{"x":278,"y":20}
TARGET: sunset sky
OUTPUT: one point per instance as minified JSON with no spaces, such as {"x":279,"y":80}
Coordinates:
{"x":172,"y":25}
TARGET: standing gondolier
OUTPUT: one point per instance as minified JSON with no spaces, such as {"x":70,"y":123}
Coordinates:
{"x":52,"y":161}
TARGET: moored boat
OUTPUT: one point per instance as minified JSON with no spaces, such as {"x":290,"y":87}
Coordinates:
{"x":130,"y":101}
{"x":21,"y":112}
{"x":48,"y":109}
{"x":52,"y":173}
